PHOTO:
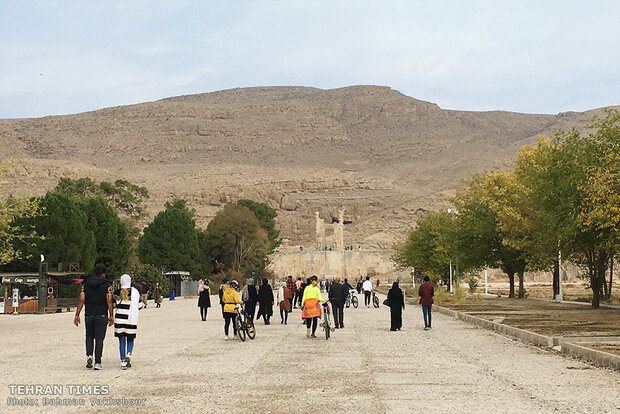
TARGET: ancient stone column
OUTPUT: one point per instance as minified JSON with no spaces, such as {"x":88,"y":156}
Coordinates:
{"x":339,"y":230}
{"x":320,"y":231}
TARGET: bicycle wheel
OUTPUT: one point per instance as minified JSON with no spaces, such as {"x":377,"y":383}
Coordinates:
{"x":251,"y":331}
{"x":240,"y":329}
{"x":354,"y":301}
{"x":326,"y":326}
{"x":375,"y":301}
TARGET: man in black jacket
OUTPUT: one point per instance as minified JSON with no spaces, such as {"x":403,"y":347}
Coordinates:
{"x":337,"y":296}
{"x":96,"y":296}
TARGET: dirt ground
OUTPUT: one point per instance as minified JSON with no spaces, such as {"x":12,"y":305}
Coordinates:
{"x":182,"y":364}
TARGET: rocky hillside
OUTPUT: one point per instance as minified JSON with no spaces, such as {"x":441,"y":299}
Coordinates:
{"x":382,"y":156}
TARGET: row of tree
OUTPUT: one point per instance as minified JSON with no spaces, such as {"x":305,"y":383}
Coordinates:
{"x":238,"y":239}
{"x":88,"y":223}
{"x":562,"y":197}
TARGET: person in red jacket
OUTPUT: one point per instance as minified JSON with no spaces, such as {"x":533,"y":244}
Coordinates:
{"x":426,"y":292}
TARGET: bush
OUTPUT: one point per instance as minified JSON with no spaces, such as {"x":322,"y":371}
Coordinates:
{"x":441,"y":296}
{"x":473,"y":284}
{"x":459,"y":295}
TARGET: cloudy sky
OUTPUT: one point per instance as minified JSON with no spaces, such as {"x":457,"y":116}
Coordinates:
{"x":541,"y":56}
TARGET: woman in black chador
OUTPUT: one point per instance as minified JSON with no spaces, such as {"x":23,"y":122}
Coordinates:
{"x":397,"y":305}
{"x":265,"y":301}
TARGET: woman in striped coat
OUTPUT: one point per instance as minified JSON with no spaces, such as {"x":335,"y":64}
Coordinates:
{"x":126,"y":318}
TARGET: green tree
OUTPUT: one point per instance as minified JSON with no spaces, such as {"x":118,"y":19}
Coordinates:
{"x":150,"y":274}
{"x":267,"y":218}
{"x":170,"y":241}
{"x":482,"y":203}
{"x":558,"y":174}
{"x":123,"y":195}
{"x":12,"y":212}
{"x":236,"y":239}
{"x":66,"y":237}
{"x":430,"y":246}
{"x":112,"y":241}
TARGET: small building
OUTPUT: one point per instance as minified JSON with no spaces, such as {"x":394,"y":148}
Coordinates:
{"x":181,"y":283}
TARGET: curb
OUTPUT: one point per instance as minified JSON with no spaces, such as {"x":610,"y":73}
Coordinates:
{"x":592,"y":355}
{"x":568,"y":345}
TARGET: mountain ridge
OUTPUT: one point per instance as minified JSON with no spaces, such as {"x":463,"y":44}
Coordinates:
{"x":379,"y":154}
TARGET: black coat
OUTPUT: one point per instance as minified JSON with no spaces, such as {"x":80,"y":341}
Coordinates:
{"x":204,"y":301}
{"x":337,"y":293}
{"x":265,"y":300}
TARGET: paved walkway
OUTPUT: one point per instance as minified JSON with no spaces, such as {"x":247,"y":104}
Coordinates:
{"x":182,"y":364}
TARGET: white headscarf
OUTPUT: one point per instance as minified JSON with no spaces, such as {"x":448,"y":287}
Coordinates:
{"x":135,"y":298}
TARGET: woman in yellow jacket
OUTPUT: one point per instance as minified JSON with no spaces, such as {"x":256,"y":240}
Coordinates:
{"x":230,"y":298}
{"x":311,"y":311}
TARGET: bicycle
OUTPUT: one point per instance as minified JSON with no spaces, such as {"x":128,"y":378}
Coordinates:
{"x":351,"y":299}
{"x":244,"y":325}
{"x":327,"y":324}
{"x":375,"y":300}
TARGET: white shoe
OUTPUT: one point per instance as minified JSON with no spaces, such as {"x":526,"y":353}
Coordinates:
{"x":124,"y":364}
{"x":226,"y":338}
{"x":128,"y":357}
{"x":98,"y":367}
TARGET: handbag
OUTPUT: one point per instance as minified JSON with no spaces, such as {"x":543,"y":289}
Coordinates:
{"x":386,"y":302}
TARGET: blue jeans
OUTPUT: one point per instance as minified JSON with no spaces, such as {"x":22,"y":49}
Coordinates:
{"x":125,"y":343}
{"x":426,"y":310}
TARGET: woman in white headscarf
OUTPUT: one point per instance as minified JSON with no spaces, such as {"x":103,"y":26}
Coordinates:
{"x":126,"y":318}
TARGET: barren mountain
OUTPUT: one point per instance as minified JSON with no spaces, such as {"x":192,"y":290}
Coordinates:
{"x":382,"y":156}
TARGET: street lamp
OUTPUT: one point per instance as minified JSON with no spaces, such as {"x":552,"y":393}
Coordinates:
{"x":456,"y":273}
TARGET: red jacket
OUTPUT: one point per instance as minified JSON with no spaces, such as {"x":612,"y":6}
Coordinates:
{"x":426,"y":293}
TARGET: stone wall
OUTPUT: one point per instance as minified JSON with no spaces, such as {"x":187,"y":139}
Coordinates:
{"x":335,"y":263}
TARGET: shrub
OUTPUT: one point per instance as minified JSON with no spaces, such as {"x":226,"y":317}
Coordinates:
{"x":473,"y":284}
{"x":459,"y":295}
{"x":441,"y":296}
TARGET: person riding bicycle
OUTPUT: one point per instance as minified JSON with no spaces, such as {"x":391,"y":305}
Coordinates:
{"x":311,"y":311}
{"x":347,"y":289}
{"x":230,"y":298}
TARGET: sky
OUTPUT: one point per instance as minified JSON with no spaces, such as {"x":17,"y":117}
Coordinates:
{"x":541,"y":56}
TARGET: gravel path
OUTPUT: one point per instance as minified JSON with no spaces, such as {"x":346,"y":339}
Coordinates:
{"x":182,"y":364}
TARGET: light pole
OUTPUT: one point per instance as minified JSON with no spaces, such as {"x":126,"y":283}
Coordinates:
{"x":456,"y":273}
{"x":486,"y":285}
{"x":558,"y":297}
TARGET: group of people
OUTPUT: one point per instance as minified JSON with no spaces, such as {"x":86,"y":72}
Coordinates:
{"x":99,"y":303}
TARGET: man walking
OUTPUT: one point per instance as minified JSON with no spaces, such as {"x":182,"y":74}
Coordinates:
{"x":145,"y":293}
{"x":290,"y":284}
{"x":96,"y":296}
{"x":426,"y":292}
{"x":367,"y":288}
{"x":337,"y":296}
{"x":298,"y":292}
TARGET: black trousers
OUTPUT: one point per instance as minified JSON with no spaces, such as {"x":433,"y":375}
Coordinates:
{"x":96,"y":326}
{"x":366,"y":297}
{"x":203,"y":313}
{"x":338,"y":310}
{"x":228,"y":317}
{"x":314,"y":321}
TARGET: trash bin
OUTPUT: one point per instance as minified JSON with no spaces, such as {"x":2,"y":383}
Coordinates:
{"x":172,"y":294}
